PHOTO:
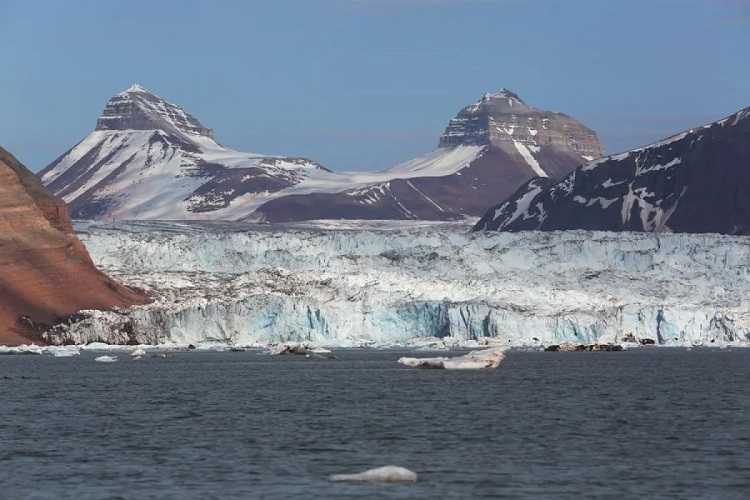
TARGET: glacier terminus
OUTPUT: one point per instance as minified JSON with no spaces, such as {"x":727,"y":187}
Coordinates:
{"x":349,"y":283}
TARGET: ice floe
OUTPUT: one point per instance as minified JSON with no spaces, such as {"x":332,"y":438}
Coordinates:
{"x":64,"y":351}
{"x":387,"y":474}
{"x":106,"y":359}
{"x":476,"y":360}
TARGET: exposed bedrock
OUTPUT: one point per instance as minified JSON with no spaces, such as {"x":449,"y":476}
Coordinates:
{"x":45,"y":271}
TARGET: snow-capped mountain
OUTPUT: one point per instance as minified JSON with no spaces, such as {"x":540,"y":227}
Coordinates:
{"x":149,"y":159}
{"x":696,"y":181}
{"x":489,"y":149}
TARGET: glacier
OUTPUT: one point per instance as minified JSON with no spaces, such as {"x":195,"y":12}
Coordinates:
{"x":394,"y":283}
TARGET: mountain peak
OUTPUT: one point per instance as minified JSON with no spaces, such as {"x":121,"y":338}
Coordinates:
{"x":136,"y":88}
{"x":503,"y":120}
{"x":503,"y":94}
{"x":140,"y":109}
{"x":500,"y":102}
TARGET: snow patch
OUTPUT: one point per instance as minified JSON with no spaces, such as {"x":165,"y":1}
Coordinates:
{"x":653,"y":168}
{"x":530,"y":160}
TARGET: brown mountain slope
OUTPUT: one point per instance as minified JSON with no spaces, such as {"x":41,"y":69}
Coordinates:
{"x":45,"y":271}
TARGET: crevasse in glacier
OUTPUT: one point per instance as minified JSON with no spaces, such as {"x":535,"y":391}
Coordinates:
{"x":382,"y":284}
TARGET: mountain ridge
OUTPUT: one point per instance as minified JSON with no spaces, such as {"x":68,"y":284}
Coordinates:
{"x":150,"y":159}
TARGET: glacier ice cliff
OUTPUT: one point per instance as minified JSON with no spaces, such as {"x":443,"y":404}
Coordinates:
{"x":384,"y":284}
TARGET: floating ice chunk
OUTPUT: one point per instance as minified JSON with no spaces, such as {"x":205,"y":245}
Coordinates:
{"x":96,"y":346}
{"x":301,"y":348}
{"x":106,"y":359}
{"x":55,"y":351}
{"x":138,"y":353}
{"x":210,"y":347}
{"x":291,"y":348}
{"x":426,"y":343}
{"x":490,"y":342}
{"x":478,"y":360}
{"x":288,"y":349}
{"x":387,"y":474}
{"x":64,"y":352}
{"x":22,"y":349}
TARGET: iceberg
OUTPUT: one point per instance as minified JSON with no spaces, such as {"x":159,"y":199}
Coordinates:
{"x":477,"y":360}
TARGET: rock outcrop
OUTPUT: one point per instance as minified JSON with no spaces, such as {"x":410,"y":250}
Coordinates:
{"x":694,"y":182}
{"x":150,"y":159}
{"x":139,"y":109}
{"x":503,"y":120}
{"x":46,"y":273}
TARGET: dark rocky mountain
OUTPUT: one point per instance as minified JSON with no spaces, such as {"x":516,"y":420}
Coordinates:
{"x":504,"y":120}
{"x":47,"y":273}
{"x":149,"y":159}
{"x":696,"y":182}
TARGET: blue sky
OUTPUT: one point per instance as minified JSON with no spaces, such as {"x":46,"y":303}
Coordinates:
{"x":363,"y":84}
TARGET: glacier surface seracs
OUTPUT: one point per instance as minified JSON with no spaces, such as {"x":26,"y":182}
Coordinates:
{"x":386,"y":284}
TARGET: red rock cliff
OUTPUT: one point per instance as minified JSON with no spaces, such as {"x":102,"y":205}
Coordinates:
{"x":45,"y":271}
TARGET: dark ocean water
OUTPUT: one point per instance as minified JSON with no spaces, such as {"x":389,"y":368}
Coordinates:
{"x":651,"y":423}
